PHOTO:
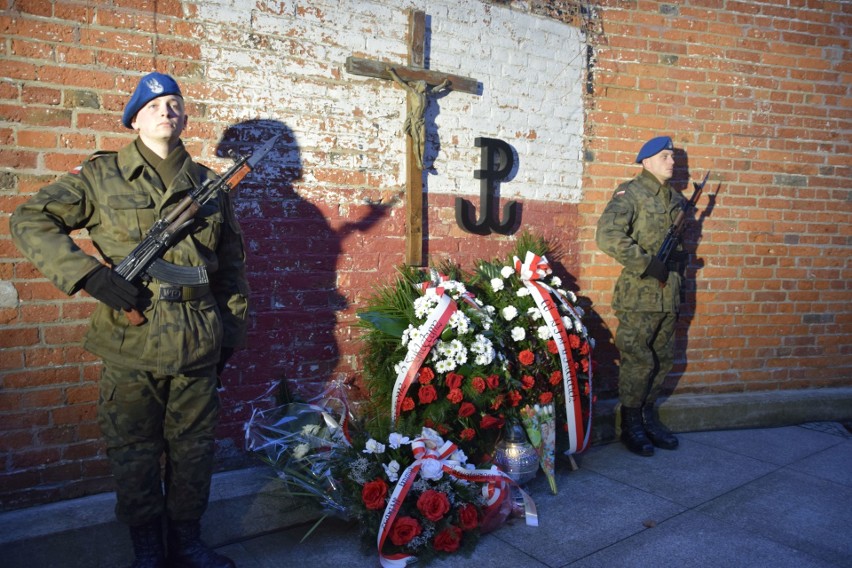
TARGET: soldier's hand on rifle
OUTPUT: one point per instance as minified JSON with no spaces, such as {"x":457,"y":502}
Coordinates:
{"x":105,"y":285}
{"x":657,"y":269}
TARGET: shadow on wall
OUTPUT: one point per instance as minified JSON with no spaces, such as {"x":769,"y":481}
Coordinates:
{"x":292,"y":256}
{"x":691,"y":237}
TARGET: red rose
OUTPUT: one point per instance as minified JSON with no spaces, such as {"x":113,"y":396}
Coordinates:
{"x":448,"y":540}
{"x":467,"y":434}
{"x":453,"y":380}
{"x":527,"y":382}
{"x":526,"y":357}
{"x":551,"y":347}
{"x":573,"y":341}
{"x":498,"y":402}
{"x":407,"y":404}
{"x":585,"y":365}
{"x":478,"y":384}
{"x":490,"y":422}
{"x":545,"y":397}
{"x":466,"y":409}
{"x":455,"y":396}
{"x":404,"y":529}
{"x":427,"y":394}
{"x":468,"y":517}
{"x":584,"y":348}
{"x":373,"y":494}
{"x":426,"y":375}
{"x":555,"y":378}
{"x":493,"y":381}
{"x":433,"y":505}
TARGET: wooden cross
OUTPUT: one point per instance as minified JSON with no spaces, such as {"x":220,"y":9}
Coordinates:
{"x":413,"y":72}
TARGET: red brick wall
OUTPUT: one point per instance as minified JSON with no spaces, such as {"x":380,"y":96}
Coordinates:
{"x":757,"y":92}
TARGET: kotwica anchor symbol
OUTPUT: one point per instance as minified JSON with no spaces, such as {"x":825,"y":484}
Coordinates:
{"x":497,"y":162}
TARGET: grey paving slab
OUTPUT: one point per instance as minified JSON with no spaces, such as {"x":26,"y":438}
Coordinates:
{"x":690,"y":475}
{"x":694,"y":540}
{"x":780,"y":446}
{"x":831,"y":464}
{"x":807,"y":513}
{"x":589,"y":512}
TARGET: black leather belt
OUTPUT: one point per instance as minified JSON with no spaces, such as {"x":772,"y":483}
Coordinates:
{"x":174,"y":293}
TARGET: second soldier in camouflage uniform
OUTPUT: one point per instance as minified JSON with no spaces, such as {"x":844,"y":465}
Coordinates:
{"x":158,"y":390}
{"x":647,"y":293}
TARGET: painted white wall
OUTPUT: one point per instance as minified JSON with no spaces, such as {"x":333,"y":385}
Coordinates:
{"x":284,"y":60}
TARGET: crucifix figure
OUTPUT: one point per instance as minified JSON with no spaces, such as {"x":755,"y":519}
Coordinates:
{"x":415,"y":123}
{"x":418,"y":82}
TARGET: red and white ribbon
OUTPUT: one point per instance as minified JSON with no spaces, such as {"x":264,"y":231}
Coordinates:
{"x":532,"y":270}
{"x":432,"y":463}
{"x":419,"y":349}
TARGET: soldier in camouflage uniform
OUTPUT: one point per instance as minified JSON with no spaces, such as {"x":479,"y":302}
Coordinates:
{"x":647,"y":293}
{"x":158,"y":390}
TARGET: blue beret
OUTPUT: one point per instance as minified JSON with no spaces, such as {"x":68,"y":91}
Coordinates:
{"x":150,"y":87}
{"x":653,"y":147}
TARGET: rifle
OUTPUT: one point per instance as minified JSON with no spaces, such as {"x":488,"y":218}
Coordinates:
{"x":144,"y":260}
{"x":675,"y":232}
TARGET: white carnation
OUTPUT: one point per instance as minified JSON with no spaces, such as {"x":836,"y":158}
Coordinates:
{"x":509,"y":313}
{"x":519,"y":333}
{"x":497,"y":284}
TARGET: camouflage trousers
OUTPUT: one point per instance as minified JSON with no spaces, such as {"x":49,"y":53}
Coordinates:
{"x":645,"y":341}
{"x":145,"y":418}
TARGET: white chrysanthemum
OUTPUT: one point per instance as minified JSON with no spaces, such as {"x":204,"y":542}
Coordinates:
{"x":490,"y":310}
{"x":301,"y":451}
{"x":534,"y":313}
{"x":519,"y":333}
{"x":395,"y":440}
{"x":522,"y":292}
{"x":424,"y":304}
{"x":397,"y":368}
{"x":392,"y":470}
{"x":556,"y":282}
{"x":509,"y":313}
{"x":374,"y":447}
{"x":484,"y":350}
{"x":543,"y":332}
{"x":460,"y":356}
{"x":507,"y":271}
{"x":460,"y":322}
{"x":497,"y":284}
{"x":445,"y":365}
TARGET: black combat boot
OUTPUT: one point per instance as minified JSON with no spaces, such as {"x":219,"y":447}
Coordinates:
{"x":632,"y":432}
{"x":187,"y":551}
{"x":657,"y":433}
{"x":148,"y":545}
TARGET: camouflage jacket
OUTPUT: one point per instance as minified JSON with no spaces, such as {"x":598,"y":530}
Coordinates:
{"x":631,"y":230}
{"x":117,"y":197}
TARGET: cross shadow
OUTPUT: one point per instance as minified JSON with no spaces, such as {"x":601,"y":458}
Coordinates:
{"x":292,"y":253}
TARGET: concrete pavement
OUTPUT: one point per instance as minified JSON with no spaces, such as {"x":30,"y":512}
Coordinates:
{"x":774,"y":497}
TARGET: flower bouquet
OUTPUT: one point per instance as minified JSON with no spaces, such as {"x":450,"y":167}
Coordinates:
{"x":539,"y":329}
{"x":540,"y":425}
{"x":413,"y":498}
{"x":430,"y":361}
